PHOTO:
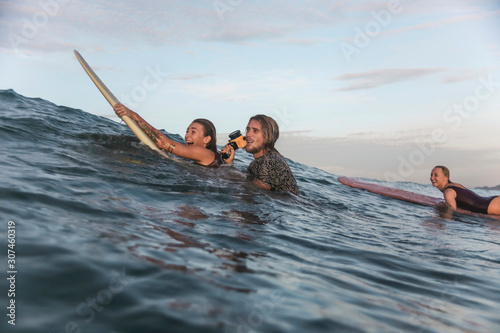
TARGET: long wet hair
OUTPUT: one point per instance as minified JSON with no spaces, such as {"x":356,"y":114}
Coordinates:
{"x":270,"y":131}
{"x":208,"y":129}
{"x":446,"y":172}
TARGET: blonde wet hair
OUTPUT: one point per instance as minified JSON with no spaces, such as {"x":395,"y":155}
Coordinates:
{"x":446,"y":171}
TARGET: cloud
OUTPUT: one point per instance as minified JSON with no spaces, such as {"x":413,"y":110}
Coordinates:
{"x":157,"y":23}
{"x":374,"y":155}
{"x":381,"y":77}
{"x":244,"y":32}
{"x":451,"y":20}
{"x":193,"y":76}
{"x":464,"y":75}
{"x":244,"y":85}
{"x":279,"y":20}
{"x":305,"y":41}
{"x":126,"y":23}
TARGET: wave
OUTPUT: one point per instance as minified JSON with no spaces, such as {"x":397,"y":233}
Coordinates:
{"x":113,"y":237}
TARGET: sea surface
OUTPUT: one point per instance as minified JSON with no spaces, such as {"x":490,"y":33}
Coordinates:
{"x":111,"y":237}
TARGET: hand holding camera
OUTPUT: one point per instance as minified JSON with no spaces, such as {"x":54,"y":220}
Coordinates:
{"x":236,"y":141}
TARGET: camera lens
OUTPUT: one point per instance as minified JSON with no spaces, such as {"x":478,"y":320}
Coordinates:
{"x":235,"y":134}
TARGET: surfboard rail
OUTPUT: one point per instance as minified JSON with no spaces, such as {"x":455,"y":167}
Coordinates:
{"x":391,"y":192}
{"x":112,"y":100}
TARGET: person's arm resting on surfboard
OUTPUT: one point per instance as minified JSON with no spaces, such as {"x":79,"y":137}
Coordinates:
{"x":197,"y":153}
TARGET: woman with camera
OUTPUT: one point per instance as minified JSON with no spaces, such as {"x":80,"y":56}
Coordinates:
{"x":201,"y":140}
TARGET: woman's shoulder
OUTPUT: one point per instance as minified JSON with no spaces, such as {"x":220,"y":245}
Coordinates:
{"x":216,"y":161}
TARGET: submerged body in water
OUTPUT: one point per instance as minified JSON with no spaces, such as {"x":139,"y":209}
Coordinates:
{"x":457,"y":196}
{"x":112,"y":237}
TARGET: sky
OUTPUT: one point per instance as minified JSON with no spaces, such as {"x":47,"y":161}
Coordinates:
{"x":375,"y":89}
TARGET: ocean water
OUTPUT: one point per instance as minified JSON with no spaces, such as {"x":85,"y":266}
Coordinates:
{"x":111,"y":237}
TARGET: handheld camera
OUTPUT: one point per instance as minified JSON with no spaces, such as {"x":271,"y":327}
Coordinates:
{"x":237,"y":141}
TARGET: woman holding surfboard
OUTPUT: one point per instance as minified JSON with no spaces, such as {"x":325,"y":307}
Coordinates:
{"x":201,"y":145}
{"x":457,"y":196}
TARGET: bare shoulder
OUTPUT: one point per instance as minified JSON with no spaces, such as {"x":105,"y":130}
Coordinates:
{"x":449,"y":193}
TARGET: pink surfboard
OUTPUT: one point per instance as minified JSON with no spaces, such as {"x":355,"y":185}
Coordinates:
{"x":391,"y":192}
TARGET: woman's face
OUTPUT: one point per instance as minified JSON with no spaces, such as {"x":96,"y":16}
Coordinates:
{"x":194,"y":135}
{"x":438,"y":179}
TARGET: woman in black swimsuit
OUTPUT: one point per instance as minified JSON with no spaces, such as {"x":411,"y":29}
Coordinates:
{"x":201,"y":141}
{"x":457,"y":196}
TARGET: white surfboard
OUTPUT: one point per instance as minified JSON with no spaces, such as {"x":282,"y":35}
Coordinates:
{"x":113,"y":101}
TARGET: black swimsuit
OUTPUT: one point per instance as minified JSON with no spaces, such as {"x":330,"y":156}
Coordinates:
{"x":217,"y":161}
{"x":468,"y":200}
